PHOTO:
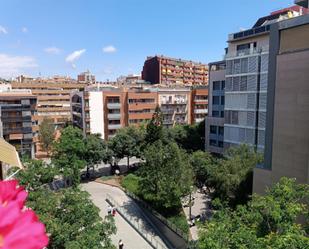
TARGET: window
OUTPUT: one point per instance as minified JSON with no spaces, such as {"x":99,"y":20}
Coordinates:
{"x":213,"y":129}
{"x":222,"y":114}
{"x":236,"y":83}
{"x":234,"y":117}
{"x":236,"y":68}
{"x":216,"y":85}
{"x":215,"y":113}
{"x":213,"y":142}
{"x":243,"y":83}
{"x":216,"y":100}
{"x":222,"y":84}
{"x":220,"y":144}
{"x":243,"y":46}
{"x":222,"y":100}
{"x":221,"y":130}
{"x":244,"y":65}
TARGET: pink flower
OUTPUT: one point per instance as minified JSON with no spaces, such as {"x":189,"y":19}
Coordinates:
{"x":21,"y":230}
{"x":10,"y":192}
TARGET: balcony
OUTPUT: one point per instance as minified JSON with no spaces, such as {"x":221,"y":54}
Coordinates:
{"x":114,"y":116}
{"x":201,"y":111}
{"x":246,"y":52}
{"x":250,"y":32}
{"x":198,"y":120}
{"x":114,"y":126}
{"x":201,"y":100}
{"x":113,"y":106}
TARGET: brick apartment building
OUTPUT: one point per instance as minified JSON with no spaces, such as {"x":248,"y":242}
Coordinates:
{"x":170,"y":71}
{"x":105,"y":110}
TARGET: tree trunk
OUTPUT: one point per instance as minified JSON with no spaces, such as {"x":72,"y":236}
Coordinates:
{"x":128,"y":160}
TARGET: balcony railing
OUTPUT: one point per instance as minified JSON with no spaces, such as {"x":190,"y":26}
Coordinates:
{"x":200,"y":111}
{"x":246,"y":52}
{"x":113,"y":105}
{"x":114,"y":126}
{"x":114,"y":116}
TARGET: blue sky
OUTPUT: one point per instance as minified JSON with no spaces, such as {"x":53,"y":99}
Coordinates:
{"x":113,"y":37}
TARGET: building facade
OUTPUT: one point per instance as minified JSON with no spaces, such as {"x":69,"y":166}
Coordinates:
{"x":199,"y":104}
{"x":86,"y":77}
{"x":17,"y":123}
{"x":53,"y":99}
{"x":141,"y":105}
{"x":107,"y":109}
{"x":170,"y":71}
{"x":287,"y":136}
{"x":214,"y":123}
{"x":175,"y":105}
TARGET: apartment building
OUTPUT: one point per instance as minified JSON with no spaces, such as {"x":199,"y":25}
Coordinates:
{"x":175,"y":105}
{"x":287,"y":136}
{"x":53,"y":98}
{"x":246,"y":87}
{"x":214,"y":123}
{"x":17,"y":123}
{"x":199,"y":104}
{"x":105,"y":110}
{"x":141,"y":105}
{"x":100,"y":111}
{"x":86,"y":77}
{"x":170,"y":71}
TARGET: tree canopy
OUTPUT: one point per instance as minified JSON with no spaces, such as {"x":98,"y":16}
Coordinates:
{"x":127,"y":143}
{"x":68,"y":154}
{"x":166,"y":174}
{"x":266,"y":222}
{"x":46,"y":134}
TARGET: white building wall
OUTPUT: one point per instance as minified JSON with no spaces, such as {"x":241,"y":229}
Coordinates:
{"x":96,"y":113}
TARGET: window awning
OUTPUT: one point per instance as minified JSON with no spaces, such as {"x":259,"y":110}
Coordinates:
{"x":9,"y":155}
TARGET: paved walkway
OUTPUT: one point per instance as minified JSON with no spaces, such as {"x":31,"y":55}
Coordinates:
{"x":125,"y":232}
{"x":200,"y":207}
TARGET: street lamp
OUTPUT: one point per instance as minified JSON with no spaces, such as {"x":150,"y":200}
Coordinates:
{"x":190,"y":203}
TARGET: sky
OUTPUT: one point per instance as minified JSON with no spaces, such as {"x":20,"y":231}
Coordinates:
{"x":114,"y":37}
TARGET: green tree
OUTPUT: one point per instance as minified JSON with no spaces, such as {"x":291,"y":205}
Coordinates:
{"x":71,"y":219}
{"x":266,"y":222}
{"x":187,"y":137}
{"x":154,"y":129}
{"x":46,"y":134}
{"x":35,"y":174}
{"x":203,"y":166}
{"x":68,"y":154}
{"x":95,"y":151}
{"x":232,"y":176}
{"x":127,"y":143}
{"x":166,"y":175}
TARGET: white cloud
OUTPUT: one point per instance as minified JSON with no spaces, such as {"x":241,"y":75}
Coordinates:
{"x":71,"y":58}
{"x":11,"y":66}
{"x":109,"y":49}
{"x":24,"y":30}
{"x":3,"y":30}
{"x":52,"y":50}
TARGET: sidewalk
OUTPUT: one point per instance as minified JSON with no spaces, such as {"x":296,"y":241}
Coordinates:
{"x":201,"y":206}
{"x":130,"y":237}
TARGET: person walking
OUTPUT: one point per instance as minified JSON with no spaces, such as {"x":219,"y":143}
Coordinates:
{"x":109,"y":210}
{"x":114,"y":211}
{"x":120,"y":244}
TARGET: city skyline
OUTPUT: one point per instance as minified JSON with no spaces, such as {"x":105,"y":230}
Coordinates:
{"x":112,"y":38}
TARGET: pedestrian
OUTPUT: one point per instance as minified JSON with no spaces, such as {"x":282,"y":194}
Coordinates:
{"x":109,"y":210}
{"x":114,"y":211}
{"x":120,"y":244}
